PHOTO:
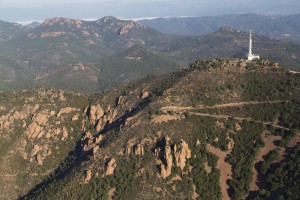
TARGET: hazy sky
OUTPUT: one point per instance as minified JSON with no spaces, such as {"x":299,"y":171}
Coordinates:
{"x":16,"y":10}
{"x":33,"y":3}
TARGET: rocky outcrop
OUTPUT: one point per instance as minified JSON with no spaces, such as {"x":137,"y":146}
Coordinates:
{"x":136,"y":148}
{"x":88,"y":142}
{"x":95,"y":113}
{"x":182,"y":154}
{"x":127,"y":26}
{"x":166,"y":168}
{"x":7,"y":120}
{"x":165,"y":157}
{"x":33,"y":130}
{"x":39,"y":159}
{"x":99,"y":118}
{"x":110,"y":167}
{"x":168,"y":156}
{"x":139,"y":150}
{"x":66,"y":110}
{"x":40,"y":118}
{"x":121,"y":100}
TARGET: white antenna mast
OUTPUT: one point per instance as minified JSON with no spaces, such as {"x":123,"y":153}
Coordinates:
{"x":250,"y":55}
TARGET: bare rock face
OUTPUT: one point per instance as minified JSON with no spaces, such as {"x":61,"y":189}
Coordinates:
{"x":96,"y":112}
{"x":98,"y":139}
{"x":169,"y":156}
{"x":88,"y":176}
{"x":166,"y":169}
{"x":87,"y":141}
{"x":40,"y":118}
{"x":95,"y":150}
{"x":165,"y":157}
{"x":112,"y":114}
{"x":98,"y":118}
{"x":127,"y":26}
{"x":183,"y":153}
{"x":101,"y":123}
{"x":110,"y":167}
{"x":33,"y":130}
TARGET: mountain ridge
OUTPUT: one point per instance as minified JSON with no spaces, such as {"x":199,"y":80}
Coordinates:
{"x":277,"y":26}
{"x":60,"y":42}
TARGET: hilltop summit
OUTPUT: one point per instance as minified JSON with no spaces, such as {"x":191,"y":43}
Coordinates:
{"x":177,"y":135}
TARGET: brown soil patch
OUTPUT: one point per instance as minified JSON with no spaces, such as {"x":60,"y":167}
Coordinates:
{"x":294,"y":141}
{"x":224,"y":167}
{"x":165,"y":118}
{"x":269,"y":146}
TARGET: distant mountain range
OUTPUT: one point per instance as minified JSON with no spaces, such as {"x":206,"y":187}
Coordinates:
{"x":89,"y":55}
{"x":279,"y":26}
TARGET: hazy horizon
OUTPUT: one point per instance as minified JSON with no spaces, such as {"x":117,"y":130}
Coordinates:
{"x":38,"y":10}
